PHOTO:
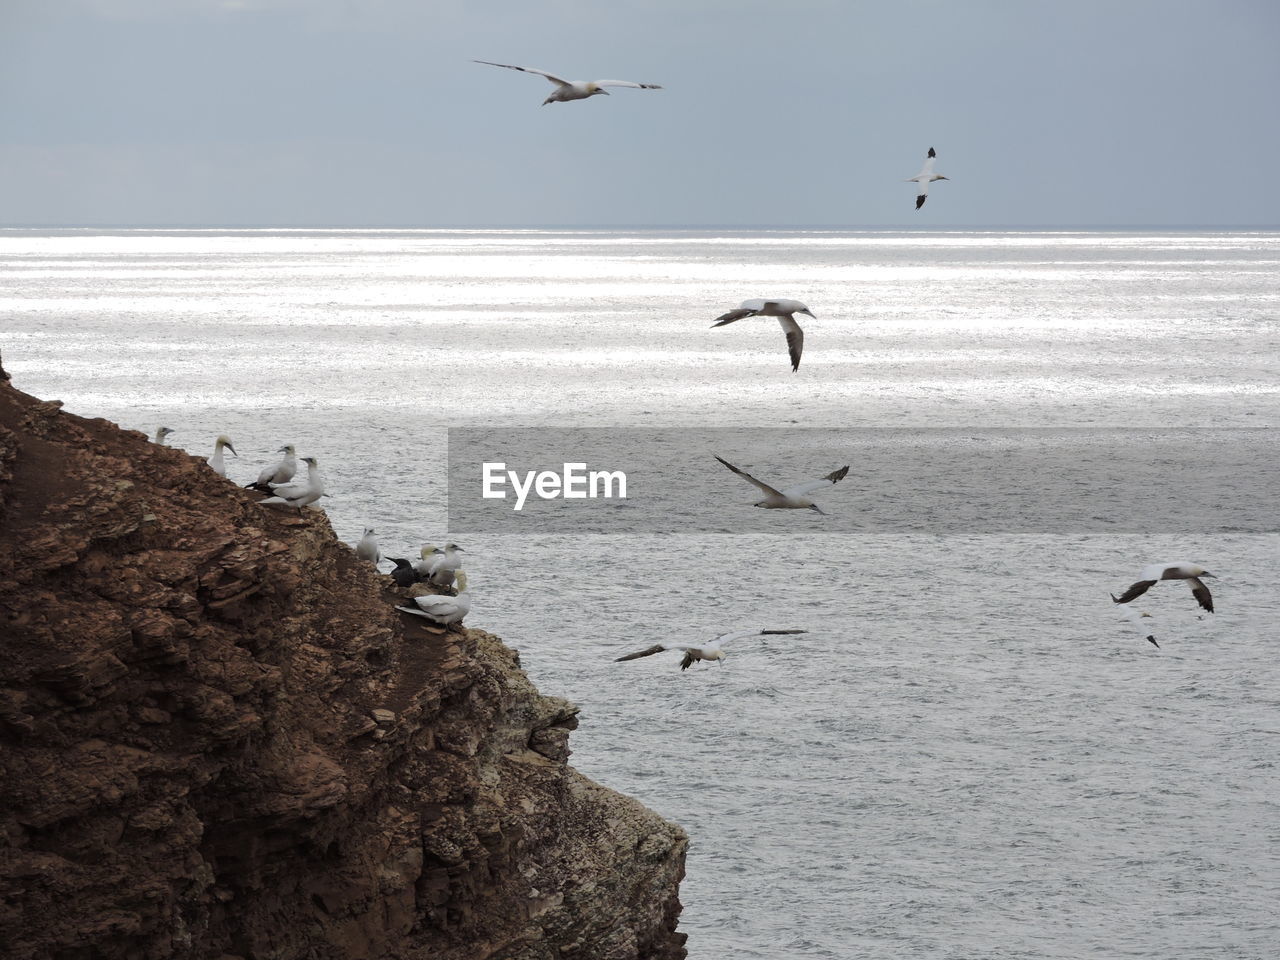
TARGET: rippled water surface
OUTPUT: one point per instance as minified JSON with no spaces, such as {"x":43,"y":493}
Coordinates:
{"x":967,"y":755}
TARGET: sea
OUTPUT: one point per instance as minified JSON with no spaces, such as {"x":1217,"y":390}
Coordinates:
{"x":968,"y":753}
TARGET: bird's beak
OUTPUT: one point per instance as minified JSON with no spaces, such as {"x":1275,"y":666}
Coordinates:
{"x":605,"y":92}
{"x":233,"y":450}
{"x":1212,"y":575}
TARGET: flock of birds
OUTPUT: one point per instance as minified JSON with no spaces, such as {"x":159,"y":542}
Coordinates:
{"x":440,"y":568}
{"x":784,"y":310}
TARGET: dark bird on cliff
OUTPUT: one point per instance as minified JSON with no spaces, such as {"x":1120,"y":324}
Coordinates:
{"x":792,"y":498}
{"x":298,"y":494}
{"x":442,"y":608}
{"x":281,"y":472}
{"x":710,"y":651}
{"x":216,"y":461}
{"x":1181,"y":570}
{"x":925,"y":177}
{"x":404,"y":575}
{"x":567,"y":90}
{"x":784,"y":310}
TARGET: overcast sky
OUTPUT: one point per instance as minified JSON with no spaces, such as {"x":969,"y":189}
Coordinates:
{"x":790,"y":112}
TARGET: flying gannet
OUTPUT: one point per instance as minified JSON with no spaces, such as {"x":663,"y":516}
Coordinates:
{"x":711,"y":651}
{"x":785,"y":311}
{"x":442,"y":608}
{"x":162,"y":435}
{"x":281,"y":472}
{"x":792,"y":498}
{"x":1171,"y":571}
{"x":925,"y":177}
{"x":300,"y":493}
{"x":216,"y":461}
{"x":573,"y":89}
{"x":1134,"y":619}
{"x":367,"y":548}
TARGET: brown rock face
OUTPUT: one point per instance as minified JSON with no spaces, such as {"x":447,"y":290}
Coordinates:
{"x":219,"y":740}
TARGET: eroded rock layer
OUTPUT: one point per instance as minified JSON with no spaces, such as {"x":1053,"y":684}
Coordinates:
{"x":218,"y":739}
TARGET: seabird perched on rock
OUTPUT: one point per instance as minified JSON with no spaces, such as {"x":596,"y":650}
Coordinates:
{"x":1134,"y":620}
{"x":162,"y":436}
{"x":925,"y":177}
{"x":426,"y":557}
{"x":573,"y":89}
{"x":216,"y":461}
{"x":298,"y":494}
{"x":784,"y":310}
{"x":281,"y":472}
{"x":1181,"y":570}
{"x":404,"y":575}
{"x":367,"y":548}
{"x":711,"y":651}
{"x":442,"y":608}
{"x":792,"y":498}
{"x":445,"y":565}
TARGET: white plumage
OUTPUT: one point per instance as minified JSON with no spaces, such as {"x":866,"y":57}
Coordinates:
{"x":792,"y":498}
{"x":574,"y":89}
{"x":785,"y":311}
{"x":709,"y":651}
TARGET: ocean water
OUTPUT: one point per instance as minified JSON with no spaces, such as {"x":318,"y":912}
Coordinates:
{"x":968,"y":754}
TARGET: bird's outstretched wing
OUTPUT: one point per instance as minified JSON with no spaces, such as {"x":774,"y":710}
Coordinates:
{"x":835,"y":476}
{"x":542,"y":73}
{"x":647,"y":652}
{"x":1201,"y":593}
{"x":795,"y":340}
{"x":927,"y":170}
{"x":1139,"y":623}
{"x":750,"y":479}
{"x":739,"y":314}
{"x":1137,"y":590}
{"x":742,"y":634}
{"x":627,"y":83}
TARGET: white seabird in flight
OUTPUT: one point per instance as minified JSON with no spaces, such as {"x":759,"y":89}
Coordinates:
{"x":785,"y":311}
{"x":301,"y":493}
{"x":573,"y":89}
{"x":1171,"y":571}
{"x":711,"y":651}
{"x":281,"y":472}
{"x":792,"y":498}
{"x":925,"y":177}
{"x":1134,"y":619}
{"x":367,"y":548}
{"x":442,"y":608}
{"x":162,"y":436}
{"x":216,"y":461}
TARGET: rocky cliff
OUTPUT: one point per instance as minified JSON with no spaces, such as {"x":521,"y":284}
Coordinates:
{"x":218,"y":740}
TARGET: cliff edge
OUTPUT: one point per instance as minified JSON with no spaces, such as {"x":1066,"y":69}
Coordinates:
{"x":219,"y":740}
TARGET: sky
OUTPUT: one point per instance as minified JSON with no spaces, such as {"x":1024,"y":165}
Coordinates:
{"x":790,"y":112}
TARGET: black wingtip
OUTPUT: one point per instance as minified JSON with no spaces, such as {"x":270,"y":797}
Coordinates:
{"x":931,"y":153}
{"x":1152,"y":640}
{"x":920,"y":202}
